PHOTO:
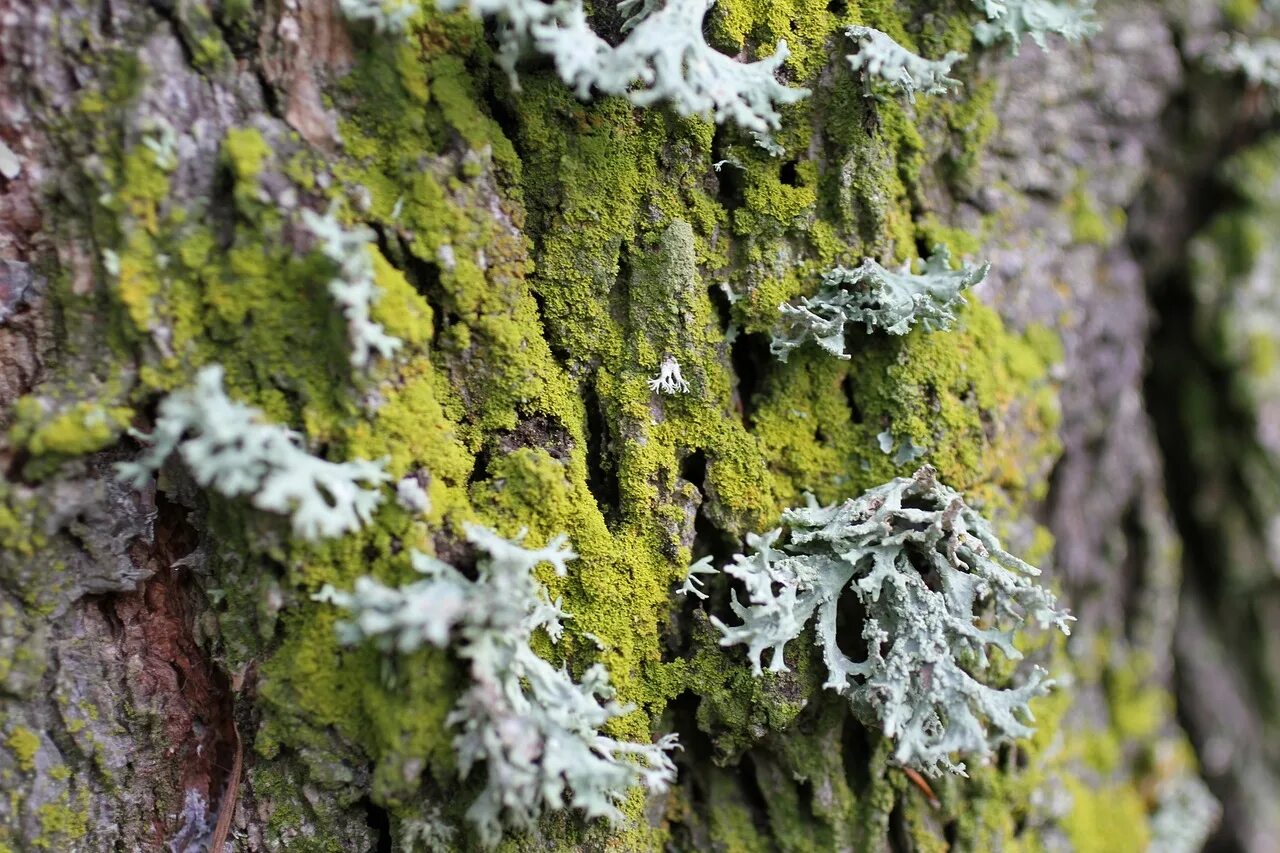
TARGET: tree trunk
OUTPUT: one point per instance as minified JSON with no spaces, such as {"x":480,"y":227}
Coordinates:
{"x":1107,"y":398}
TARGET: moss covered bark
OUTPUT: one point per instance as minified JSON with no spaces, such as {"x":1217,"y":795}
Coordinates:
{"x":539,"y":257}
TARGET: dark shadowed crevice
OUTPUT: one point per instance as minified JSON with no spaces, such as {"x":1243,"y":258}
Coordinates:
{"x":731,"y":180}
{"x":753,"y":795}
{"x":620,"y":292}
{"x":751,"y":361}
{"x":378,"y":819}
{"x":788,"y":175}
{"x":851,"y":397}
{"x":855,"y":754}
{"x":693,"y":468}
{"x":715,"y":542}
{"x":558,"y":352}
{"x":1133,"y":569}
{"x":423,"y":276}
{"x":720,"y":301}
{"x":480,"y":466}
{"x":602,"y":473}
{"x":899,"y":832}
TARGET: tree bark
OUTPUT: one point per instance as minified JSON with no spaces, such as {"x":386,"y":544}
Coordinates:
{"x":1104,"y":399}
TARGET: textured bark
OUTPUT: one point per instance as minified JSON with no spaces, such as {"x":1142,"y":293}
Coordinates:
{"x":540,"y":257}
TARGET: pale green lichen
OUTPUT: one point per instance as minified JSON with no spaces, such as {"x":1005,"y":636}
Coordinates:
{"x":534,"y":728}
{"x":880,"y":299}
{"x":391,"y":16}
{"x":664,"y":51}
{"x":879,"y":56}
{"x":938,"y":590}
{"x":354,"y":288}
{"x":228,"y":447}
{"x":1257,"y":59}
{"x":1012,"y":20}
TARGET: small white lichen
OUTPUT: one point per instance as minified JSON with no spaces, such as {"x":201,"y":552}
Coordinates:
{"x":10,"y":165}
{"x":1186,"y":815}
{"x":193,"y":827}
{"x":669,"y":381}
{"x":692,"y":583}
{"x":937,"y":590}
{"x":880,"y":56}
{"x":411,"y":496}
{"x":162,"y":141}
{"x":429,"y":832}
{"x":389,"y":16}
{"x":907,"y":451}
{"x":535,"y":730}
{"x":354,"y":288}
{"x":230,"y":448}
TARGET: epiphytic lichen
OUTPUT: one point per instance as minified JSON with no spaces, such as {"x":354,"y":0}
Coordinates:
{"x":535,"y":729}
{"x":937,"y":590}
{"x":1011,"y":20}
{"x":669,"y":380}
{"x":1257,"y":59}
{"x":193,"y":828}
{"x":880,"y":56}
{"x":664,"y":52}
{"x":871,"y":294}
{"x":692,"y":583}
{"x":1186,"y":815}
{"x":353,"y":288}
{"x":391,"y":16}
{"x":228,"y":447}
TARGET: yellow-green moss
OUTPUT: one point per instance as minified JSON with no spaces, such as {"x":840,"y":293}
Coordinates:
{"x":1107,"y":818}
{"x":24,"y":744}
{"x":537,"y":282}
{"x":82,"y":428}
{"x":61,"y":823}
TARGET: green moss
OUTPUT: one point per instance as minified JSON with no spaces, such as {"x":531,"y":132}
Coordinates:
{"x":61,"y":823}
{"x":1138,"y":709}
{"x":1088,"y":224}
{"x":1240,"y":13}
{"x":24,"y":744}
{"x":1106,"y":818}
{"x":82,"y":428}
{"x":246,"y":151}
{"x":963,"y":395}
{"x":538,"y":281}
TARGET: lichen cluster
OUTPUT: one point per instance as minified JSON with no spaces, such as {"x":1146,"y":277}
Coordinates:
{"x":937,"y":589}
{"x":534,"y":728}
{"x":552,"y":269}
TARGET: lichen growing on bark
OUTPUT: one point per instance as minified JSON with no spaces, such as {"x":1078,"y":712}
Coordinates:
{"x":540,"y":259}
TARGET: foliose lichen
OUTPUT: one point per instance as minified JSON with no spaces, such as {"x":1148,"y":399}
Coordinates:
{"x":1257,"y":59}
{"x":228,"y":447}
{"x":354,"y":288}
{"x":880,"y":56}
{"x":890,"y":301}
{"x":937,"y":589}
{"x":1012,"y":20}
{"x":390,"y":16}
{"x":535,"y":729}
{"x":664,"y":51}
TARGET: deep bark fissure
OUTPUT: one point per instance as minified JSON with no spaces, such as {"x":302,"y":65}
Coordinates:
{"x":1170,"y":215}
